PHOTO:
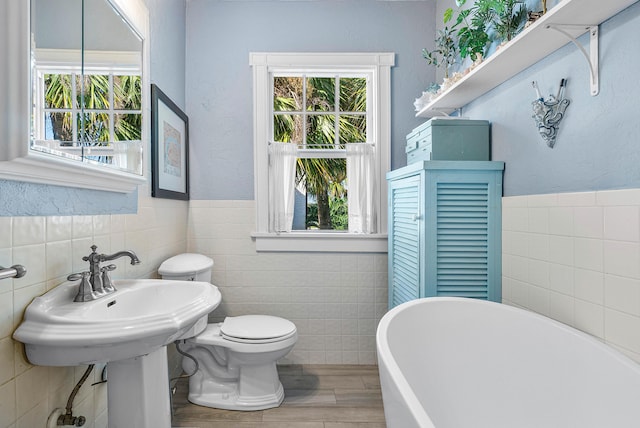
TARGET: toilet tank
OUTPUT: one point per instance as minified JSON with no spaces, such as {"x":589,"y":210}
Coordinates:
{"x":187,"y":267}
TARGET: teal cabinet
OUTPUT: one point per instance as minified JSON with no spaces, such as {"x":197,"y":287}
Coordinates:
{"x":445,"y":230}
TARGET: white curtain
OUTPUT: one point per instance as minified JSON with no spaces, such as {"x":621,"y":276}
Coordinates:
{"x":127,"y":155}
{"x":119,"y":157}
{"x":282,"y":177}
{"x":362,"y":188}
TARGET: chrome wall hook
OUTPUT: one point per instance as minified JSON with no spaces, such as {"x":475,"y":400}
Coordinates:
{"x":549,"y":112}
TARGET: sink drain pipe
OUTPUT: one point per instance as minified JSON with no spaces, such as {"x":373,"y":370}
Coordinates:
{"x":185,"y":354}
{"x":172,"y":389}
{"x":68,"y":418}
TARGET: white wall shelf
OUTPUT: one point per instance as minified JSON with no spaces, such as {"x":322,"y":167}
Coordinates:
{"x":534,"y":43}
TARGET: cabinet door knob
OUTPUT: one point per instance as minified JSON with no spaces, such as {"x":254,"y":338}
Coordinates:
{"x":417,"y":217}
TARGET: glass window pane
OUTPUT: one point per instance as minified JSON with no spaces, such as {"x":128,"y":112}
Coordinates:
{"x":57,"y":89}
{"x":127,"y":127}
{"x":95,"y":127}
{"x":300,"y":209}
{"x":321,"y":94}
{"x":287,"y":94}
{"x":353,"y":129}
{"x":127,"y":93}
{"x":96,"y":91}
{"x":322,"y":195}
{"x":58,"y":126}
{"x":288,"y":128}
{"x":353,"y":94}
{"x":321,"y":131}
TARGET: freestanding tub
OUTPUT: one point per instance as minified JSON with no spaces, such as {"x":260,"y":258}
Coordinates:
{"x":466,"y":363}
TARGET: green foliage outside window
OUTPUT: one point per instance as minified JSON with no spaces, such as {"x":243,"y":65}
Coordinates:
{"x":328,"y":120}
{"x":92,"y":95}
{"x":339,"y":214}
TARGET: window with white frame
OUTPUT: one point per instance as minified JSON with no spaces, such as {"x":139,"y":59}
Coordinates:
{"x":93,"y":113}
{"x":109,"y":110}
{"x":322,"y":141}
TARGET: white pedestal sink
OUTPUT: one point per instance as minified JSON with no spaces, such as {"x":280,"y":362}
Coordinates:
{"x":129,"y":330}
{"x":139,"y":377}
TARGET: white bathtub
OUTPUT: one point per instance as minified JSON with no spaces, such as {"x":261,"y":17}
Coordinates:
{"x":465,"y":363}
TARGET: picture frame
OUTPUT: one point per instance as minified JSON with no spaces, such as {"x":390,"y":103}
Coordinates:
{"x":169,"y":148}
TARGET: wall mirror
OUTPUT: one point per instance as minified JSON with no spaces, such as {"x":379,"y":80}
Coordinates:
{"x":80,"y":83}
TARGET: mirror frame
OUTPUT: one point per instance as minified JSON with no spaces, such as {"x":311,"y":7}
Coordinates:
{"x":17,"y":160}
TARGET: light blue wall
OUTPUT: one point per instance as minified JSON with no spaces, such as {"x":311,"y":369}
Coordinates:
{"x":167,"y":30}
{"x":220,"y":36}
{"x":598,"y":146}
{"x":27,"y":199}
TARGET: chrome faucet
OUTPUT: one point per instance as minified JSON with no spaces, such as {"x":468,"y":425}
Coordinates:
{"x":96,"y":282}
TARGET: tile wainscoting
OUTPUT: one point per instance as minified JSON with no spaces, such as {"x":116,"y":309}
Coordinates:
{"x":575,"y":257}
{"x":335,"y":299}
{"x":51,"y":248}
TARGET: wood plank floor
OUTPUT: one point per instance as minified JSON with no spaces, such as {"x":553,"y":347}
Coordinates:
{"x":316,"y":396}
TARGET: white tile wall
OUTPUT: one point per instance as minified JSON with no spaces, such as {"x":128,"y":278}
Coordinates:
{"x":335,"y":299}
{"x":51,"y":248}
{"x":576,"y":257}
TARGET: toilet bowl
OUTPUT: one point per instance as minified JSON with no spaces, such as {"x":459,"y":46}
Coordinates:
{"x":233,"y":362}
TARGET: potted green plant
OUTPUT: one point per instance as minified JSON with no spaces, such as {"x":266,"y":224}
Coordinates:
{"x":470,"y":29}
{"x":445,"y":53}
{"x":505,"y":17}
{"x":474,"y":26}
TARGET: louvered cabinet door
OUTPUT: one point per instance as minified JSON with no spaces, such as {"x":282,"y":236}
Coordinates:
{"x":464,"y":257}
{"x":404,"y":240}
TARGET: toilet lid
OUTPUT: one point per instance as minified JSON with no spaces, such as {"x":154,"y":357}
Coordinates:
{"x":257,"y":329}
{"x":185,"y":264}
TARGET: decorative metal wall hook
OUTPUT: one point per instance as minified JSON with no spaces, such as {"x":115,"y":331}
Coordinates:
{"x":549,"y":112}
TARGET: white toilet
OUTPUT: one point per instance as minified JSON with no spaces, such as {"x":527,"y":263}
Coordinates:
{"x":237,"y":357}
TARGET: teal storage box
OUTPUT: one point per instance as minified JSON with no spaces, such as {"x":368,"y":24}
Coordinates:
{"x":449,"y":139}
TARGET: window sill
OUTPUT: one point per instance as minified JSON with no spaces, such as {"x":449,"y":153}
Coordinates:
{"x":321,"y":242}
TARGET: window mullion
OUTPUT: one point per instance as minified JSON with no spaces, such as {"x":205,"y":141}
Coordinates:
{"x":74,"y":107}
{"x":336,"y":109}
{"x":272,"y":114}
{"x":112,"y":115}
{"x":311,"y":153}
{"x":303,"y":110}
{"x":40,"y":121}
